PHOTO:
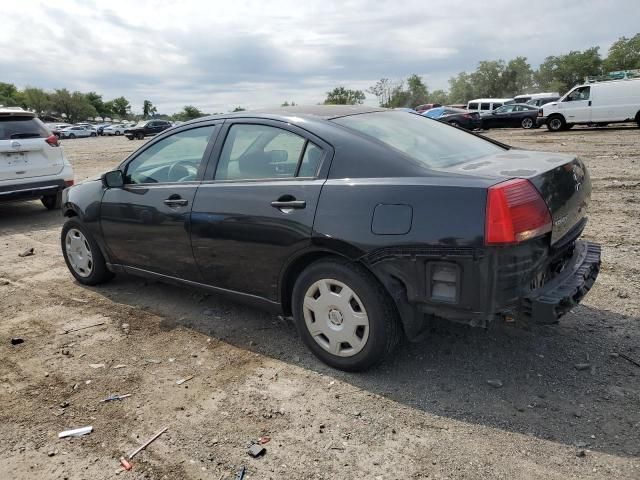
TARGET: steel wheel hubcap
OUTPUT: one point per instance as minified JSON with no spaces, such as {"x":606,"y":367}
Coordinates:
{"x":79,"y":252}
{"x":336,"y":318}
{"x":555,"y":123}
{"x":527,"y":122}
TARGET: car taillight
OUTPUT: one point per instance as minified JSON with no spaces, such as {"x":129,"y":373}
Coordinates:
{"x":540,"y":113}
{"x":515,"y":212}
{"x":52,"y":140}
{"x":68,"y":183}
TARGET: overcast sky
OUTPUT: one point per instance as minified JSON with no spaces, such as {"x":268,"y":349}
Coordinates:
{"x":220,"y":54}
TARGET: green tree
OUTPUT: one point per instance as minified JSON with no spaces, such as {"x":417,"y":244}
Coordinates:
{"x":189,"y":112}
{"x":517,"y":77}
{"x":560,"y":73}
{"x":148,"y":109}
{"x":461,"y":88}
{"x":624,"y":54}
{"x":37,"y":99}
{"x":121,"y":107}
{"x":439,"y":96}
{"x":97,"y":102}
{"x":415,"y":93}
{"x":382,"y":89}
{"x":344,"y":96}
{"x":487,"y":78}
{"x":9,"y":95}
{"x":75,"y":106}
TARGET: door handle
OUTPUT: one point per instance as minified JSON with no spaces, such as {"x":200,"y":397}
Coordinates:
{"x":176,"y":201}
{"x":289,"y":204}
{"x":589,"y":102}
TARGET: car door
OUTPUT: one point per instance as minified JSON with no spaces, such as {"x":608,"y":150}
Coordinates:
{"x":257,"y":206}
{"x":146,"y":224}
{"x":576,"y":106}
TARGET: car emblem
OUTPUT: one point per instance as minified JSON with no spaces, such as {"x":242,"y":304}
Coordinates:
{"x":15,"y":144}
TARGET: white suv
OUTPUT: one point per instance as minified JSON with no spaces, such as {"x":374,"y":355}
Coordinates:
{"x":32,"y":162}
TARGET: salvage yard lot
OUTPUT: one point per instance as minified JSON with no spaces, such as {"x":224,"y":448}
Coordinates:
{"x":427,"y":413}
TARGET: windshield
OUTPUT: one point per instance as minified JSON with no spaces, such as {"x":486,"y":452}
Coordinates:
{"x":430,"y":142}
{"x":13,"y":127}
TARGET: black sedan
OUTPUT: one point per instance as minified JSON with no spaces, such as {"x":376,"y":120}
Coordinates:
{"x":363,"y":224}
{"x":512,"y":115}
{"x":456,"y":117}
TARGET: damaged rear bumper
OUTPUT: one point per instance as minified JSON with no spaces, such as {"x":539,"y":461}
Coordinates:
{"x":562,"y":293}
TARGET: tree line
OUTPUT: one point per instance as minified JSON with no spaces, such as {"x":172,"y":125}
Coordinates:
{"x":497,"y":78}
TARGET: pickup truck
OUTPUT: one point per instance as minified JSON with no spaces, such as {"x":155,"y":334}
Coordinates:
{"x":146,"y":129}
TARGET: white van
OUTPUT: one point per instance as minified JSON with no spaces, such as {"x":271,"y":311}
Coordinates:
{"x":526,"y":97}
{"x":484,"y":105}
{"x":594,"y":103}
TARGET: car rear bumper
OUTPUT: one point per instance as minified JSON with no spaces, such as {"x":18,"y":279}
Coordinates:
{"x":557,"y":297}
{"x":26,"y":191}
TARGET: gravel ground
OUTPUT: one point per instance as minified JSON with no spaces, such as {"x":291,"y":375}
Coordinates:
{"x":427,"y":413}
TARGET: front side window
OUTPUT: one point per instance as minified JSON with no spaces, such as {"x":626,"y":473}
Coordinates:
{"x":253,"y":152}
{"x":176,"y":158}
{"x":581,"y":93}
{"x":432,"y":144}
{"x":486,"y":106}
{"x":473,"y":106}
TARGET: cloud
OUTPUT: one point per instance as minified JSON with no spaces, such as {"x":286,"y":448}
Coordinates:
{"x":219,"y":55}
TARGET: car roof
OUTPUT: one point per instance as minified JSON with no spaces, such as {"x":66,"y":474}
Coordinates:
{"x":490,"y":100}
{"x":15,"y":111}
{"x":324,"y":112}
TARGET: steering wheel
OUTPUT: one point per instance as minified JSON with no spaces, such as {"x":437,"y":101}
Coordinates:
{"x":182,"y":170}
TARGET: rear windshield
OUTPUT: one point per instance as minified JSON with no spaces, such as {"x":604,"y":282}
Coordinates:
{"x":428,"y":141}
{"x":14,"y":127}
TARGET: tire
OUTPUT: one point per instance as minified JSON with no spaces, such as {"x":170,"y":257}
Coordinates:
{"x":52,"y":202}
{"x":140,"y":136}
{"x":93,"y":134}
{"x":638,"y":119}
{"x":527,"y":123}
{"x":87,"y":269}
{"x":130,"y":137}
{"x":601,"y":125}
{"x":72,"y":135}
{"x":357,"y":294}
{"x":117,"y":133}
{"x":556,"y":124}
{"x":454,"y":124}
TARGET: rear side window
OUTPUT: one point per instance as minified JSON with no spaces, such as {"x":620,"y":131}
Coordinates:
{"x":486,"y":106}
{"x":430,"y":143}
{"x":252,"y":152}
{"x":14,"y":127}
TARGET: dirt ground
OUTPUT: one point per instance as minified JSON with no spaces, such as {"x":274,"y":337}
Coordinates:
{"x":427,"y":413}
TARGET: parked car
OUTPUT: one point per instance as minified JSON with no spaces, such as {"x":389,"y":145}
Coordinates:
{"x":114,"y":130}
{"x":485,"y":105}
{"x":598,"y":103}
{"x":76,"y":131}
{"x":540,"y":101}
{"x":100,"y":128}
{"x":456,"y":117}
{"x":362,"y":223}
{"x":511,"y":116}
{"x":426,"y":106}
{"x":527,"y":97}
{"x":56,"y":127}
{"x":146,"y":128}
{"x":89,"y":127}
{"x":32,"y":162}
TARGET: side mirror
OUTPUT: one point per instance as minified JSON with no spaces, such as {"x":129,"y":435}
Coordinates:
{"x":113,"y":179}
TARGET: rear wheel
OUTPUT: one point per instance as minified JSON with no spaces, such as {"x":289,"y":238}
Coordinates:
{"x":344,"y":316}
{"x":555,"y":124}
{"x":52,"y":202}
{"x":82,"y":254}
{"x":140,"y":136}
{"x":93,"y":134}
{"x":117,"y":133}
{"x":527,"y":122}
{"x":72,"y":135}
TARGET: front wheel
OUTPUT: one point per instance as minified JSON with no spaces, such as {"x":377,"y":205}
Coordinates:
{"x":555,"y":124}
{"x":344,"y":316}
{"x":93,"y":134}
{"x":72,"y":135}
{"x":117,"y":133}
{"x":140,"y":136}
{"x":527,"y":123}
{"x":82,"y":254}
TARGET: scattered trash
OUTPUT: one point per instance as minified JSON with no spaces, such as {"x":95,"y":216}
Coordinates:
{"x":64,"y":404}
{"x":582,"y":366}
{"x":52,"y":453}
{"x":264,"y":439}
{"x":256,"y":450}
{"x":115,"y":396}
{"x":82,"y":328}
{"x":120,"y":365}
{"x":241,"y":473}
{"x":580,"y":453}
{"x":152,"y":360}
{"x":182,"y":380}
{"x":27,"y":253}
{"x":17,"y":341}
{"x":629,"y":359}
{"x":126,"y":465}
{"x":495,"y":383}
{"x":79,"y":300}
{"x":77,"y":432}
{"x":97,"y":365}
{"x":147,"y":443}
{"x":171,"y":360}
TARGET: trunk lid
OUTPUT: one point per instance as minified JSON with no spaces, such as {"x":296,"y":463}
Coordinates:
{"x":24,"y":153}
{"x":562,"y":180}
